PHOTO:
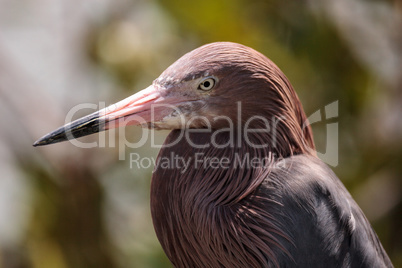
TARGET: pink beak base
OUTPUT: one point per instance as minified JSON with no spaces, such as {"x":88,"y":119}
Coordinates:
{"x":148,"y":105}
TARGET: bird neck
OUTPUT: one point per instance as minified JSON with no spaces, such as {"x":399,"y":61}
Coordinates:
{"x":199,"y":176}
{"x":219,"y":164}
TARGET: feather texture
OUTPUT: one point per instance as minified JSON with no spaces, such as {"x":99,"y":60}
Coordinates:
{"x":290,"y":210}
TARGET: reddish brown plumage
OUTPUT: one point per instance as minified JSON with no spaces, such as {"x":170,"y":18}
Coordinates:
{"x":212,"y":206}
{"x":204,"y":211}
{"x":265,"y":216}
{"x":249,"y":77}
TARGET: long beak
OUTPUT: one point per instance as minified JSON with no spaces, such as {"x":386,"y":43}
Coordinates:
{"x":142,"y":108}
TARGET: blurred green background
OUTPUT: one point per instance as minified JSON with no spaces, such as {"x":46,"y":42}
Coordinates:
{"x":63,"y":206}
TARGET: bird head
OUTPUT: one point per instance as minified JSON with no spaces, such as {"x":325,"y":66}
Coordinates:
{"x":219,"y":85}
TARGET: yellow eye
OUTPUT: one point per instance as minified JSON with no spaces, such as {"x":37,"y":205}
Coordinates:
{"x":207,"y":84}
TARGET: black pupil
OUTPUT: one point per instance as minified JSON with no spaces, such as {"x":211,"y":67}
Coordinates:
{"x":207,"y":84}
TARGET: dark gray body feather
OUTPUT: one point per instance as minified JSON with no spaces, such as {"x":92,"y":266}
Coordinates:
{"x":325,"y":224}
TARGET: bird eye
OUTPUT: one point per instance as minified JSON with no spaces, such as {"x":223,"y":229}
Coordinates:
{"x":207,"y":84}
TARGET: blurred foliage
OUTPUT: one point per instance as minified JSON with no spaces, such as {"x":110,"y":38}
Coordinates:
{"x":88,"y":209}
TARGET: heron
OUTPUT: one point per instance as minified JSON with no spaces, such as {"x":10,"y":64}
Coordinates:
{"x":254,"y":192}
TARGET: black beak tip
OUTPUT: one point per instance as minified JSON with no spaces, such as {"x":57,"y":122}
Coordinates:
{"x":50,"y":138}
{"x":81,"y":127}
{"x":39,"y":142}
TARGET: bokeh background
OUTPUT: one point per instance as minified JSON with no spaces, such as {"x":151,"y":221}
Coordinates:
{"x":63,"y":206}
